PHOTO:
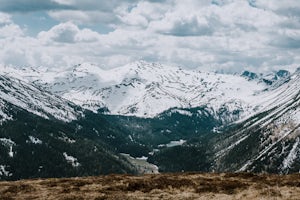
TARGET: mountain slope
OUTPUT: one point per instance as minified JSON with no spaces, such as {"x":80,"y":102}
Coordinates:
{"x":43,"y":135}
{"x":33,"y":99}
{"x":268,"y":141}
{"x":33,"y":147}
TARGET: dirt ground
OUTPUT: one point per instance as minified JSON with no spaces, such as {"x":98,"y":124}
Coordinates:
{"x":159,"y":186}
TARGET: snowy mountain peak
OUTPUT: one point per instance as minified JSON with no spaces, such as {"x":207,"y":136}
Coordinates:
{"x":147,"y":89}
{"x":249,"y":75}
{"x":283,"y":73}
{"x":269,"y":78}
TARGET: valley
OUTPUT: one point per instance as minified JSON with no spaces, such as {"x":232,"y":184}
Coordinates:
{"x":147,"y":117}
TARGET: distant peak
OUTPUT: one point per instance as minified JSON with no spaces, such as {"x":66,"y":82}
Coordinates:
{"x":143,"y":63}
{"x":249,"y":75}
{"x":282,"y":73}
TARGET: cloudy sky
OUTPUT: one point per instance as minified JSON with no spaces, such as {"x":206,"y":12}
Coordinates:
{"x":223,"y":35}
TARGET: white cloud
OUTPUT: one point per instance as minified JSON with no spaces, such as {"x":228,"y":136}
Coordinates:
{"x":68,"y":33}
{"x":286,"y":38}
{"x":83,"y":17}
{"x":63,"y":45}
{"x":224,"y":35}
{"x":7,"y":28}
{"x":141,"y":14}
{"x":10,"y":30}
{"x":279,"y":6}
{"x":5,"y":18}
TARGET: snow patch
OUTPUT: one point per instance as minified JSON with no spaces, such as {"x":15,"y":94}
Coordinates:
{"x":289,"y":160}
{"x":4,"y":172}
{"x":7,"y":142}
{"x":72,"y":160}
{"x":11,"y":153}
{"x":173,"y":143}
{"x":183,"y":112}
{"x":34,"y":140}
{"x":142,"y":158}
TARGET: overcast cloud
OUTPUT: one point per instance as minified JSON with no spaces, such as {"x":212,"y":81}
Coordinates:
{"x":223,"y":35}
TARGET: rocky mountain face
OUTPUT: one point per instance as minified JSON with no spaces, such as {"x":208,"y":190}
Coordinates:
{"x":269,"y":78}
{"x":78,"y":121}
{"x":268,"y":141}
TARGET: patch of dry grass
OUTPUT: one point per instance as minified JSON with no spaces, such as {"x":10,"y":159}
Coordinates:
{"x":160,"y":186}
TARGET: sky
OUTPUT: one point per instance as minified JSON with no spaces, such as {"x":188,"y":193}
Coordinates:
{"x":216,"y":35}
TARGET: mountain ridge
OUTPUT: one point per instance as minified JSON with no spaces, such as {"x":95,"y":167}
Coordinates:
{"x":135,"y":88}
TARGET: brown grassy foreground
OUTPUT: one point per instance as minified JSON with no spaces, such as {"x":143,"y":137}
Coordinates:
{"x":161,"y":186}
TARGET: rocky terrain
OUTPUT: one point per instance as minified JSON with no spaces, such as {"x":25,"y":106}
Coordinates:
{"x":161,"y":186}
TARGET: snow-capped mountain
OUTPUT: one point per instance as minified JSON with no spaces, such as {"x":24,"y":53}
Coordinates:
{"x":153,"y":105}
{"x":270,"y":140}
{"x":146,"y":89}
{"x":268,"y":78}
{"x":34,"y":99}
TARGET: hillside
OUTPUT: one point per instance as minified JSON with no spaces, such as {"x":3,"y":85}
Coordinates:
{"x":162,"y":186}
{"x":44,"y":135}
{"x":268,"y":141}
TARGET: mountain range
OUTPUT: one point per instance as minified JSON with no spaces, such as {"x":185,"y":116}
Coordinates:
{"x":144,"y":117}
